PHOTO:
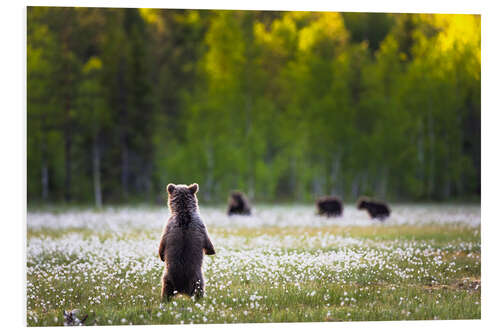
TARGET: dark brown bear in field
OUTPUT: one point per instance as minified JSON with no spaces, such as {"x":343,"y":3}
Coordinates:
{"x":183,"y":243}
{"x":329,"y":206}
{"x":238,"y":204}
{"x":376,"y":209}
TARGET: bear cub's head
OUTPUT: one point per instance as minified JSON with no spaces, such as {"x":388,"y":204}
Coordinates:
{"x":182,"y":197}
{"x":363,"y":203}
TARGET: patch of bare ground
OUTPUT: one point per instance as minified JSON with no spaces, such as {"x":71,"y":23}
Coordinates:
{"x":469,"y":284}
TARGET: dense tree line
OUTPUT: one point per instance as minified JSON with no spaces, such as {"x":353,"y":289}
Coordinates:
{"x":282,"y":105}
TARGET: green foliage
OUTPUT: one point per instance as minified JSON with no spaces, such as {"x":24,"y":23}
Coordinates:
{"x":282,"y":105}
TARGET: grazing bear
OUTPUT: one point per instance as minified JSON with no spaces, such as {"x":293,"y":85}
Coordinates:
{"x":329,"y":206}
{"x":238,"y":204}
{"x":376,"y":209}
{"x":183,"y":242}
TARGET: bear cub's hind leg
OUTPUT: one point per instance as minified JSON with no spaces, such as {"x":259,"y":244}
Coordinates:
{"x":198,"y":289}
{"x":167,"y":289}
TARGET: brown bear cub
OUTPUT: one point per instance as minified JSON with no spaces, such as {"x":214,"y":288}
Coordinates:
{"x":376,"y":209}
{"x":183,"y":243}
{"x":238,"y":204}
{"x":329,"y":206}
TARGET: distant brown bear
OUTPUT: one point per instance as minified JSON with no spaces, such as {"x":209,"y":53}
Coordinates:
{"x":329,"y":206}
{"x":183,"y":242}
{"x":238,"y":204}
{"x":376,"y":209}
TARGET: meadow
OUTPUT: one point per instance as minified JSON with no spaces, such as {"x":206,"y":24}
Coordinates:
{"x":283,"y":264}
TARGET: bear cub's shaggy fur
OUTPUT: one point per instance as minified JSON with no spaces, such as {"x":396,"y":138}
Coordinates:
{"x":183,"y":243}
{"x":376,"y":209}
{"x":238,"y":204}
{"x":329,"y":206}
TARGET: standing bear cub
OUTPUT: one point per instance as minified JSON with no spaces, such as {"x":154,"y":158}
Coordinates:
{"x":238,"y":204}
{"x":183,"y":243}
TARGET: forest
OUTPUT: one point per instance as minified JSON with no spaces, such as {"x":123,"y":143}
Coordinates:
{"x":285,"y":106}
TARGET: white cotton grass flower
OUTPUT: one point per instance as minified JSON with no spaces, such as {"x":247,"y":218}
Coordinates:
{"x":116,"y":219}
{"x":111,"y":262}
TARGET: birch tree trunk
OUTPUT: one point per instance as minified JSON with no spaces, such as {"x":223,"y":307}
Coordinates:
{"x":68,"y":144}
{"x":125,"y":168}
{"x":96,"y":170}
{"x":45,"y":170}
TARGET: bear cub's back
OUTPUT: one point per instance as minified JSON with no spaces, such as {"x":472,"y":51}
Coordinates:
{"x":185,"y":242}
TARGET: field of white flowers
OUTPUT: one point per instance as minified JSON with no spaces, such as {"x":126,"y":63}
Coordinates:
{"x":281,"y":264}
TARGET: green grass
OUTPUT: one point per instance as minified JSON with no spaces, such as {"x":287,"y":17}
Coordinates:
{"x":261,"y":275}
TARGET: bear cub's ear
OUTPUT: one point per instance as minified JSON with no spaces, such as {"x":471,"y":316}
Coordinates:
{"x":170,"y":188}
{"x":193,"y":188}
